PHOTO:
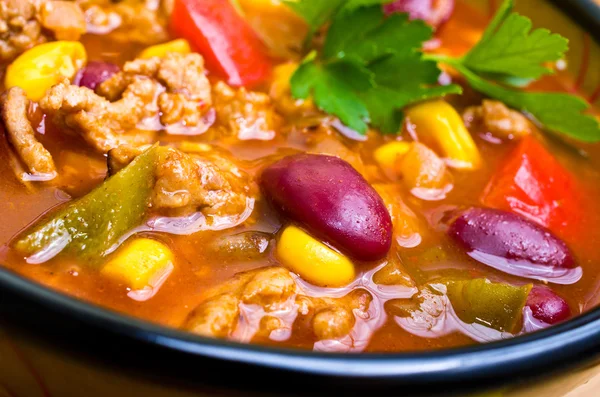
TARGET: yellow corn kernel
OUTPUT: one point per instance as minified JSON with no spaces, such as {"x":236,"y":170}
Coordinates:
{"x":387,"y":155}
{"x":312,"y":260}
{"x":38,"y":69}
{"x":160,"y":50}
{"x":140,"y":263}
{"x":438,"y":124}
{"x":280,"y":90}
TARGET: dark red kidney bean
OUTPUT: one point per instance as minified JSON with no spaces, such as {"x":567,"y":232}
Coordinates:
{"x":514,"y":244}
{"x":547,"y":306}
{"x":434,"y":12}
{"x":95,"y":73}
{"x":333,"y":201}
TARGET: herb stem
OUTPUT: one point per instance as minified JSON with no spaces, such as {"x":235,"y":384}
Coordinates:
{"x":441,"y":58}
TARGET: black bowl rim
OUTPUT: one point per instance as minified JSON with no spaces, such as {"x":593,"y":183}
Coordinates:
{"x":568,"y":343}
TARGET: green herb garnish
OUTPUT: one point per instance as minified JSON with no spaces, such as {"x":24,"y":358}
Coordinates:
{"x":371,"y":67}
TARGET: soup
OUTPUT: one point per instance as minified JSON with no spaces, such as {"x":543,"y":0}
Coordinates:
{"x":334,"y":177}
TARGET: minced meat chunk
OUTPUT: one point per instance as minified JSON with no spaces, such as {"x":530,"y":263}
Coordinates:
{"x":199,"y":182}
{"x":15,"y":107}
{"x":203,"y":181}
{"x":274,"y":292}
{"x":27,"y":23}
{"x":173,"y":88}
{"x":245,"y":114}
{"x":215,"y":317}
{"x":119,"y":157}
{"x":498,"y":119}
{"x":104,"y":124}
{"x":139,"y":21}
{"x":186,"y":98}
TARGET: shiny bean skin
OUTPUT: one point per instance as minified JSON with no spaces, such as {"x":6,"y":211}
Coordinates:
{"x":95,"y":73}
{"x":434,"y":12}
{"x":515,"y":245}
{"x":333,"y":201}
{"x":547,"y":306}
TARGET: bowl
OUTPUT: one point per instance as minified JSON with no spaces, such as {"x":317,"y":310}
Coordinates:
{"x":55,"y":345}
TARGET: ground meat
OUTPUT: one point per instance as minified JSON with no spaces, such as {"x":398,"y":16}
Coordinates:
{"x":333,"y":322}
{"x":274,"y":291}
{"x":194,"y":182}
{"x":203,"y":181}
{"x":121,"y":156}
{"x":497,"y":119}
{"x":215,"y":317}
{"x":423,"y":310}
{"x":268,"y":288}
{"x":64,"y":19}
{"x":333,"y":318}
{"x":187,"y":97}
{"x":140,"y":21}
{"x":104,"y":124}
{"x":21,"y":135}
{"x":26,"y":23}
{"x":245,"y":114}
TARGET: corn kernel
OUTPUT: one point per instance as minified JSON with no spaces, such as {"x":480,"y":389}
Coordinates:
{"x":280,"y":90}
{"x":141,"y":263}
{"x":437,"y":123}
{"x":45,"y":65}
{"x":160,"y":50}
{"x":312,"y":260}
{"x":387,"y":155}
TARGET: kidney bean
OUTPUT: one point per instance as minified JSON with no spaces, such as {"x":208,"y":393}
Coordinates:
{"x":547,"y":306}
{"x":434,"y":12}
{"x":95,"y":73}
{"x":515,"y":245}
{"x":333,"y":201}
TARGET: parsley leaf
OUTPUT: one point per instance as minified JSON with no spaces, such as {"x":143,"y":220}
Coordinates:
{"x":334,"y":88}
{"x":371,"y":66}
{"x":384,"y":53}
{"x":558,"y":112}
{"x":509,"y":55}
{"x":315,"y":12}
{"x":378,"y":36}
{"x":392,"y":92}
{"x":509,"y":47}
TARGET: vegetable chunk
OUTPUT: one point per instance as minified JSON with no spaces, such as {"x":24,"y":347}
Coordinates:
{"x":534,"y":184}
{"x":230,"y":47}
{"x":90,"y":226}
{"x":313,"y":260}
{"x":141,"y":263}
{"x":437,"y":123}
{"x":45,"y":65}
{"x":496,"y":305}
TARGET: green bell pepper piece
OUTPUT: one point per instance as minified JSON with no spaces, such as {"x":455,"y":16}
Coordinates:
{"x":91,"y":225}
{"x":496,"y":305}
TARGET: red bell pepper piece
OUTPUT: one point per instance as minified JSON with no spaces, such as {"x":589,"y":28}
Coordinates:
{"x":534,"y":184}
{"x":230,"y":47}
